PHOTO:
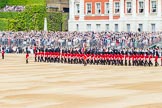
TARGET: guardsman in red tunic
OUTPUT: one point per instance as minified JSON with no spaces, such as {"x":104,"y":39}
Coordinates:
{"x":133,"y":59}
{"x":146,"y":60}
{"x":3,"y":53}
{"x":39,"y":56}
{"x":156,"y":60}
{"x":150,"y":60}
{"x":35,"y":48}
{"x":27,"y":57}
{"x":126,"y":56}
{"x":161,"y":60}
{"x":35,"y":54}
{"x":85,"y":59}
{"x":130,"y":59}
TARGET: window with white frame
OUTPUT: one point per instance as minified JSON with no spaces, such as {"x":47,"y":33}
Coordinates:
{"x":77,"y":10}
{"x":153,"y":27}
{"x":153,"y":6}
{"x":98,"y":8}
{"x":89,"y":8}
{"x":77,"y":27}
{"x":106,"y":8}
{"x":129,"y":7}
{"x":117,"y":7}
{"x":107,"y":27}
{"x":89,"y":27}
{"x":140,"y":28}
{"x":141,"y":6}
{"x":116,"y":28}
{"x":128,"y":28}
{"x":98,"y":27}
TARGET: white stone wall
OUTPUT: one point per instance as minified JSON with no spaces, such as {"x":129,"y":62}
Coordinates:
{"x":122,"y":24}
{"x":133,"y":19}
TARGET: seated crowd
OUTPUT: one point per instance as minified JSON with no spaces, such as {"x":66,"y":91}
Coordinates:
{"x":12,"y":9}
{"x":99,"y":40}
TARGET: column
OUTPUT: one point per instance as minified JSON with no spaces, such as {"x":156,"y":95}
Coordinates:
{"x":111,"y":15}
{"x":159,"y":8}
{"x":82,"y":8}
{"x":134,"y":8}
{"x":111,"y":9}
{"x":147,"y":7}
{"x":71,"y":6}
{"x":122,"y":8}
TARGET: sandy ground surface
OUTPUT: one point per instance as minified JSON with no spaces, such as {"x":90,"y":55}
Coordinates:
{"x":45,"y":85}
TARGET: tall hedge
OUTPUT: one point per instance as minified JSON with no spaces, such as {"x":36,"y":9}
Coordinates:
{"x":3,"y":3}
{"x":54,"y":21}
{"x":8,"y":15}
{"x":25,"y":2}
{"x":31,"y":19}
{"x":3,"y":24}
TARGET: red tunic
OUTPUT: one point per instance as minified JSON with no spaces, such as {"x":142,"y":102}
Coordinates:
{"x":27,"y":56}
{"x":156,"y":58}
{"x":3,"y":52}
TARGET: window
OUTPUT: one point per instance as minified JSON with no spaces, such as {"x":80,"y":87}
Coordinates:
{"x":106,"y":8}
{"x":153,"y":27}
{"x":116,"y":27}
{"x":141,"y":7}
{"x":117,"y":8}
{"x":107,"y":27}
{"x":77,"y":27}
{"x":89,"y":8}
{"x":153,"y":7}
{"x":129,"y":7}
{"x":140,"y":29}
{"x":128,"y":27}
{"x":98,"y":26}
{"x":98,"y":8}
{"x":89,"y":27}
{"x":77,"y":10}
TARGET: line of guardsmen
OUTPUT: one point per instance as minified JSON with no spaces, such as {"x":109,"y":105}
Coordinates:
{"x":106,"y":58}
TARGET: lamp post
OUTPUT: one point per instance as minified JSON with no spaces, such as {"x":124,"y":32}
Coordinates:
{"x":61,"y":25}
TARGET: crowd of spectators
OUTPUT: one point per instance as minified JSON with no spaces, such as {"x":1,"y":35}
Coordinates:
{"x":12,"y":9}
{"x":17,"y":41}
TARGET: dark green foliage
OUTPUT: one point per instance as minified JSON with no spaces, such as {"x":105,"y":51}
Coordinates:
{"x":31,"y":19}
{"x":3,"y":3}
{"x":54,"y":21}
{"x":8,"y":15}
{"x":3,"y":24}
{"x":25,"y":2}
{"x":65,"y":21}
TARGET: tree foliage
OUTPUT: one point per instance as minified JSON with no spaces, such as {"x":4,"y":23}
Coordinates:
{"x":54,"y":21}
{"x":31,"y":19}
{"x":25,"y":2}
{"x":3,"y":3}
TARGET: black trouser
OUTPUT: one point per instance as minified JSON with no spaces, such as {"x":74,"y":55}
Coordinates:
{"x":45,"y":59}
{"x":85,"y":62}
{"x":38,"y":59}
{"x":122,"y":62}
{"x":62,"y":60}
{"x":150,"y":63}
{"x":35,"y":59}
{"x":133,"y":62}
{"x":41,"y":60}
{"x":146,"y":63}
{"x":26,"y":61}
{"x":2,"y":56}
{"x":129,"y":62}
{"x":156,"y":63}
{"x":125,"y":62}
